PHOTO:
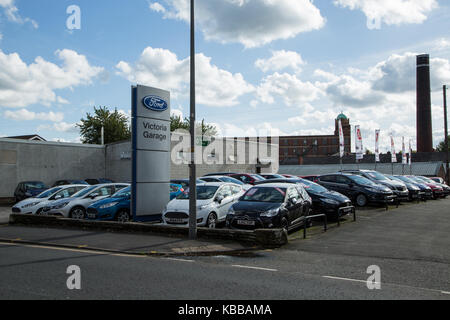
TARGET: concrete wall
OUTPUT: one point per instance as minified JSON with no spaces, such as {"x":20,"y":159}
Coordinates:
{"x":47,"y":161}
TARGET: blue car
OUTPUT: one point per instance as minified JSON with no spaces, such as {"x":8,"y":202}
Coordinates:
{"x":115,"y":207}
{"x":175,"y":190}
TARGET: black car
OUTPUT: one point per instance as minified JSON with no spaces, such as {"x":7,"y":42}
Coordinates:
{"x":414,"y":191}
{"x":98,"y":181}
{"x":274,"y":205}
{"x":398,"y":188}
{"x":270,"y":176}
{"x":426,"y":191}
{"x":359,"y":189}
{"x":28,"y":189}
{"x":68,"y":182}
{"x":324,"y":201}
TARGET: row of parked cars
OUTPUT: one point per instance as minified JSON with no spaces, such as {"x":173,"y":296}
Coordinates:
{"x":236,"y":200}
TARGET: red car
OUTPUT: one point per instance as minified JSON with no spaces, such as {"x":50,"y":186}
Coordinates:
{"x":438,"y":192}
{"x":311,"y":178}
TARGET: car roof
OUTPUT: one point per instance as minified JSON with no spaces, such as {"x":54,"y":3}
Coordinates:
{"x":274,"y":185}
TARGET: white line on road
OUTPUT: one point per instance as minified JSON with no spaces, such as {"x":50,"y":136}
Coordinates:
{"x":256,"y":268}
{"x":182,"y":260}
{"x":344,"y":279}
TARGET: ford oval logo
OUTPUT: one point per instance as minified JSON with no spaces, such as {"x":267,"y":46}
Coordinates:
{"x":155,"y":103}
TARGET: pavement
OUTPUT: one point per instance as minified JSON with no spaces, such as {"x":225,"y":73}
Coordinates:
{"x":409,"y":245}
{"x":5,"y":211}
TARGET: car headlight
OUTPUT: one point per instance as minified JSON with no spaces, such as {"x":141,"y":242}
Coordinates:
{"x":61,"y":205}
{"x":270,"y":213}
{"x":30,"y":205}
{"x":202,"y":207}
{"x":108,"y":205}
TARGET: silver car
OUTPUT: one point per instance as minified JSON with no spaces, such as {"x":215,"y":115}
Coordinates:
{"x":75,"y":206}
{"x":36,"y":204}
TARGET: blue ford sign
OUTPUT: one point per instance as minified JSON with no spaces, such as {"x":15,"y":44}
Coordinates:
{"x":155,"y":103}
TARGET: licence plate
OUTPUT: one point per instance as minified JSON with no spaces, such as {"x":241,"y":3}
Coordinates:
{"x":346,"y":210}
{"x":246,"y":222}
{"x":175,"y":220}
{"x":92,"y":215}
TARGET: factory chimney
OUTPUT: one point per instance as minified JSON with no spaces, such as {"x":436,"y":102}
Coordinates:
{"x":424,"y":122}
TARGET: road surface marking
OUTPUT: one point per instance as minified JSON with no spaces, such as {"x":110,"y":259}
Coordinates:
{"x":345,"y":279}
{"x":445,"y":292}
{"x":182,"y":260}
{"x":256,"y":268}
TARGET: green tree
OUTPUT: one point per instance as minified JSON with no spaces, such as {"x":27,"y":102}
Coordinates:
{"x":441,"y":145}
{"x":177,"y":123}
{"x":116,"y":126}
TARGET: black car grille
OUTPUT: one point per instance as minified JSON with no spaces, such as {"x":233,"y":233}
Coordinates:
{"x":15,"y":210}
{"x":345,"y":204}
{"x":176,"y":215}
{"x":92,"y":210}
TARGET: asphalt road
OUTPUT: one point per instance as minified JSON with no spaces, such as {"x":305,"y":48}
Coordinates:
{"x":409,"y":244}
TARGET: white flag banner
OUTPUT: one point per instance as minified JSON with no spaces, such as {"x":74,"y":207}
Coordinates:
{"x":410,"y":153}
{"x":341,"y":140}
{"x":377,"y":145}
{"x":404,"y":157}
{"x":358,"y":144}
{"x":394,"y":155}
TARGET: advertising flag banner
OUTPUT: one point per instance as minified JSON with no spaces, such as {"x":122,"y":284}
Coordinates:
{"x":359,"y":145}
{"x":404,"y":157}
{"x":377,"y":145}
{"x":394,"y":155}
{"x":341,"y":140}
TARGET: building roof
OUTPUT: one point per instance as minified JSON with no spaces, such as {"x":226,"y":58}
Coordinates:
{"x":32,"y":137}
{"x":418,"y":168}
{"x":341,"y":117}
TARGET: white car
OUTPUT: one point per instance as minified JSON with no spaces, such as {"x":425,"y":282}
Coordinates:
{"x":36,"y":204}
{"x":75,"y":206}
{"x":213,"y":201}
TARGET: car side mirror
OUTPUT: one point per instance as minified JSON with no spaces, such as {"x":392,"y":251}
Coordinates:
{"x":94,"y":195}
{"x":58,"y":197}
{"x":219,"y":199}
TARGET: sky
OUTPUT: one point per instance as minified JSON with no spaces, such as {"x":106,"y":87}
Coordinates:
{"x":283,"y":67}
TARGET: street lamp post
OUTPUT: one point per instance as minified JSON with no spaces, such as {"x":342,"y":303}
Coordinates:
{"x":192,"y":168}
{"x":446,"y":133}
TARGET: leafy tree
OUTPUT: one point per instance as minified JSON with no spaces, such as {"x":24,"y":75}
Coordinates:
{"x":441,"y":145}
{"x":116,"y":126}
{"x":177,"y":123}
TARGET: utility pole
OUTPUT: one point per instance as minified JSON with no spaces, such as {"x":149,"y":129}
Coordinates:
{"x":192,"y":169}
{"x":446,"y":132}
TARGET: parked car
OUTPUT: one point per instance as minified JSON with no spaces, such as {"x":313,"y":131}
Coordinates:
{"x":312,"y":178}
{"x":116,"y":207}
{"x":28,"y":189}
{"x":98,"y":181}
{"x":67,"y":182}
{"x":445,"y":188}
{"x":414,"y":191}
{"x":272,"y":176}
{"x":324,"y":201}
{"x":75,"y":206}
{"x":289,"y":176}
{"x":397,"y":187}
{"x":36,"y":204}
{"x":426,"y":191}
{"x":185,"y":182}
{"x":247,"y":178}
{"x":360,"y":190}
{"x":438,"y":192}
{"x":272,"y":205}
{"x":438,"y":180}
{"x":225,"y":179}
{"x":175,"y":190}
{"x":213,"y":201}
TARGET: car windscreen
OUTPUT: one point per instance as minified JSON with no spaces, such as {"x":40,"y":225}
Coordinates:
{"x":361,"y":180}
{"x":125,"y":192}
{"x":427,"y":180}
{"x":376,"y":175}
{"x":257,"y":177}
{"x":405,"y":179}
{"x":203,"y":193}
{"x":313,"y":187}
{"x":265,"y":194}
{"x":48,"y":193}
{"x":83,"y":192}
{"x":231,"y":180}
{"x":34,"y":185}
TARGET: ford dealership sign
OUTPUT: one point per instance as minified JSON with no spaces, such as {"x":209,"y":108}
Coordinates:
{"x":155,"y":103}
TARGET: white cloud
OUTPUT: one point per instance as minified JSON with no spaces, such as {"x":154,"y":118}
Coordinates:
{"x":60,"y":127}
{"x":162,"y":68}
{"x":288,"y":87}
{"x":250,"y":22}
{"x":156,"y":6}
{"x":391,"y":12}
{"x":281,"y":60}
{"x":22,"y":85}
{"x":25,"y":115}
{"x":12,"y":12}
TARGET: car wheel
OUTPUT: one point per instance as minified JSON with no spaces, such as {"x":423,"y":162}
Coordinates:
{"x":77,"y":213}
{"x":39,"y":212}
{"x":284,"y":224}
{"x":361,"y":200}
{"x":212,"y":221}
{"x":123,"y":216}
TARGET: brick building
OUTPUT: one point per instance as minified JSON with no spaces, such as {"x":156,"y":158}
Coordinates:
{"x":293,"y":149}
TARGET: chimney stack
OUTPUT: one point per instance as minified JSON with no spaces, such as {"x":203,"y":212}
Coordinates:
{"x":424,"y":121}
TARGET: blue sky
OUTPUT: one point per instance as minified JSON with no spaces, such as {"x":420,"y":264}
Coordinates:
{"x":286,"y":66}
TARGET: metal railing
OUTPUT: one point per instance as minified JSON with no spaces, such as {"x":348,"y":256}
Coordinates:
{"x":325,"y":220}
